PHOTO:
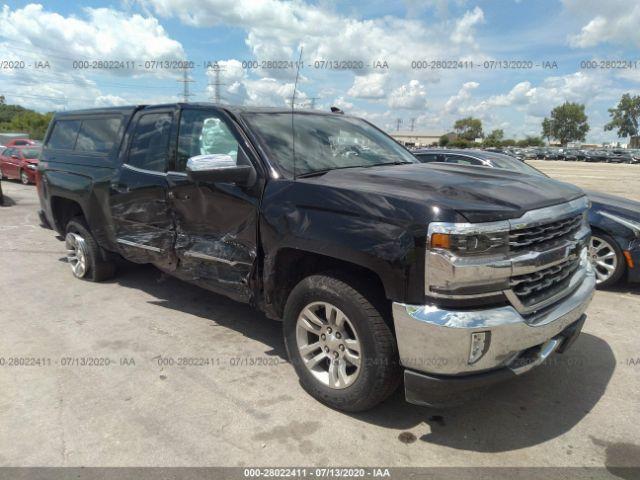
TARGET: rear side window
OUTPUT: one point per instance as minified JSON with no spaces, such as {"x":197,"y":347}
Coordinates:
{"x":150,"y":145}
{"x":427,"y":157}
{"x":462,"y":160}
{"x":98,"y":134}
{"x":64,"y":134}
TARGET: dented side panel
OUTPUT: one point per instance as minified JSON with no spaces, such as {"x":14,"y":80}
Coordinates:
{"x":370,"y":230}
{"x":142,"y":218}
{"x":216,"y":235}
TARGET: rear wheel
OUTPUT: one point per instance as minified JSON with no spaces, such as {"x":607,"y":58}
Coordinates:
{"x":607,"y":259}
{"x":84,"y":255}
{"x":341,"y":348}
{"x":24,"y":178}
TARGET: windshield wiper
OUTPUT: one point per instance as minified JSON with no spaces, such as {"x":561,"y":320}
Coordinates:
{"x":317,"y":173}
{"x":388,"y":163}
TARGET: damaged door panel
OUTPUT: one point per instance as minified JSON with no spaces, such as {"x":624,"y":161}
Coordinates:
{"x":215,"y":222}
{"x":142,"y":217}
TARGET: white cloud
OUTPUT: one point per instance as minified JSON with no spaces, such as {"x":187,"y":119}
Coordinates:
{"x":613,"y":21}
{"x":455,"y":104}
{"x":33,"y":34}
{"x":411,"y":96}
{"x":371,"y":86}
{"x":464,"y":30}
{"x":106,"y":34}
{"x":276,"y":29}
{"x":239,"y":88}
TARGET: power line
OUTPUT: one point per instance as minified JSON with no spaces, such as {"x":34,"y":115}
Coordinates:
{"x":185,"y":85}
{"x":216,"y":84}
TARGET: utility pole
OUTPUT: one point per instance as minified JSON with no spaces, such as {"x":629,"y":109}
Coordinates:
{"x":216,"y":98}
{"x":398,"y":123}
{"x":185,"y":85}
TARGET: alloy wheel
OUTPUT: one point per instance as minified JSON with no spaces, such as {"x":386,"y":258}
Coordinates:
{"x":328,"y":345}
{"x":603,"y":257}
{"x":24,"y":178}
{"x":76,"y":254}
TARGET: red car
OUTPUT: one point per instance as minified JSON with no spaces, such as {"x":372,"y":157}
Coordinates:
{"x":22,"y":142}
{"x":20,"y":163}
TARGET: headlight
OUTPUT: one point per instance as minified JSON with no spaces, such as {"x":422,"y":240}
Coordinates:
{"x":472,"y":244}
{"x":469,"y":239}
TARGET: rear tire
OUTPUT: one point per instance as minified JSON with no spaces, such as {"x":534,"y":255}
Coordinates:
{"x":356,"y":364}
{"x":24,"y":178}
{"x":84,"y":254}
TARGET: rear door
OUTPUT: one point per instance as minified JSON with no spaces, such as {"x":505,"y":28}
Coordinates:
{"x":216,"y":223}
{"x":139,"y":201}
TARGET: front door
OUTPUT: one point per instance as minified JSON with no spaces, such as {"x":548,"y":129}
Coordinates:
{"x":216,"y":223}
{"x":139,"y":194}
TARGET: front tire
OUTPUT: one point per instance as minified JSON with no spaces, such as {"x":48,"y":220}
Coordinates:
{"x":607,"y":259}
{"x":339,"y":344}
{"x":24,"y":178}
{"x":84,"y":255}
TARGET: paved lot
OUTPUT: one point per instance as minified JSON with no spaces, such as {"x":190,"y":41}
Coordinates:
{"x":613,"y":178}
{"x":581,"y":409}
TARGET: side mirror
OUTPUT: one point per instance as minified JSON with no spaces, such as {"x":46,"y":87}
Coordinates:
{"x":15,"y":156}
{"x":219,"y":168}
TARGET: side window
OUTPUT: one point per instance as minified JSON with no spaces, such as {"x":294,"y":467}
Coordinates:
{"x":98,"y":134}
{"x":462,"y":160}
{"x":150,"y":145}
{"x":64,"y":134}
{"x":203,"y":133}
{"x":428,"y":157}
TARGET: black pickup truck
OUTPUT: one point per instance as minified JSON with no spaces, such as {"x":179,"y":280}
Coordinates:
{"x":382,"y":269}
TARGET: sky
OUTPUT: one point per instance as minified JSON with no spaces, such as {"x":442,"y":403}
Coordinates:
{"x":413,"y":64}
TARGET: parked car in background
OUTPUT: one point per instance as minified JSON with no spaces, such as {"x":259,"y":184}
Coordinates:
{"x":21,"y":142}
{"x":614,"y":248}
{"x":20,"y":163}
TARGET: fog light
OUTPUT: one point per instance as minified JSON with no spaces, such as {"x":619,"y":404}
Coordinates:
{"x":479,"y":345}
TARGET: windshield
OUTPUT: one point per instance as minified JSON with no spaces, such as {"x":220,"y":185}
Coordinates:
{"x":324,"y":142}
{"x":30,"y":152}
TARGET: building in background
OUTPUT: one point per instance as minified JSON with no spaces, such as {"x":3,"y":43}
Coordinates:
{"x":416,"y":139}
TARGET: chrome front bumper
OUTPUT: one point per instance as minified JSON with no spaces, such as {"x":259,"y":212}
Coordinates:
{"x":438,"y":341}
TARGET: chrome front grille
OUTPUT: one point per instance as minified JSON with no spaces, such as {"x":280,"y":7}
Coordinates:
{"x":534,"y":288}
{"x":540,"y":235}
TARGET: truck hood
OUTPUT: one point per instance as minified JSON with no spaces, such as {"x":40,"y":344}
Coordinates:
{"x":478,"y":194}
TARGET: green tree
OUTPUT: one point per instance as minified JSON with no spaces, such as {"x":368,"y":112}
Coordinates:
{"x":530,"y":141}
{"x":28,"y":121}
{"x":468,"y":128}
{"x":625,"y":117}
{"x":546,"y":129}
{"x":568,"y":123}
{"x":443,"y":141}
{"x":494,"y":139}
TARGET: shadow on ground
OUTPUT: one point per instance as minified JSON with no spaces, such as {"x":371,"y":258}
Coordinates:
{"x":7,"y":201}
{"x":529,"y":410}
{"x":178,"y":295}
